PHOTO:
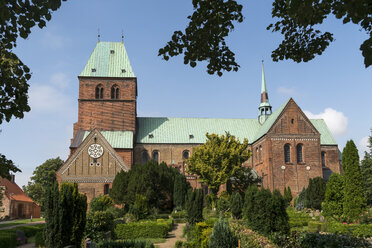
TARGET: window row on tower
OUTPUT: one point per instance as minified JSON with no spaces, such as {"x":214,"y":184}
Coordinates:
{"x":156,"y":156}
{"x":100,"y":92}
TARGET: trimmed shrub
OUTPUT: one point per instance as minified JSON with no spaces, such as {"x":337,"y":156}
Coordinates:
{"x":354,"y":229}
{"x":236,"y":205}
{"x":39,"y":239}
{"x":310,"y":240}
{"x":222,"y":236}
{"x":101,"y":203}
{"x":125,"y":244}
{"x":98,"y":223}
{"x":145,"y":229}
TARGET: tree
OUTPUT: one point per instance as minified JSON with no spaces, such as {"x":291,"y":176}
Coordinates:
{"x":315,"y":193}
{"x":242,"y":179}
{"x":65,"y":215}
{"x":180,"y":190}
{"x":354,"y":200}
{"x":221,"y":236}
{"x":7,"y":166}
{"x":101,"y":203}
{"x":249,"y":204}
{"x":43,"y":177}
{"x":17,"y":18}
{"x":152,"y":180}
{"x":366,"y":169}
{"x":212,"y":21}
{"x":236,"y":205}
{"x":218,"y":159}
{"x":288,"y":196}
{"x":194,"y":206}
{"x":98,"y":223}
{"x":334,"y":196}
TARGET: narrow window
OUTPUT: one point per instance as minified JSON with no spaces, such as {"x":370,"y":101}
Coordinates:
{"x":287,"y":153}
{"x":299,"y":153}
{"x":106,"y":189}
{"x":323,"y":159}
{"x":185,"y":154}
{"x":145,"y":157}
{"x":257,"y":153}
{"x":260,"y":154}
{"x":115,"y":92}
{"x":99,"y":91}
{"x":155,"y":156}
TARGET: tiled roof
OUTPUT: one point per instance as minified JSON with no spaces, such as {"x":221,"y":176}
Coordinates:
{"x":13,"y":191}
{"x":117,"y":139}
{"x":108,"y":59}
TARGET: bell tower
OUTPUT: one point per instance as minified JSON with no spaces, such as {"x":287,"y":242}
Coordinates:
{"x":264,"y":110}
{"x":107,"y":90}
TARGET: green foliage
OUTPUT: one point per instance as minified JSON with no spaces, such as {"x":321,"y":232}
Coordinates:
{"x":265,"y":212}
{"x":211,"y":201}
{"x":356,"y":230}
{"x":101,"y":203}
{"x":43,"y":177}
{"x":98,"y":223}
{"x":155,"y":182}
{"x":222,"y":236}
{"x":354,"y":200}
{"x":7,"y":166}
{"x":366,"y":170}
{"x":236,"y":205}
{"x":139,"y":209}
{"x":310,"y":240}
{"x":144,"y":229}
{"x":242,"y":179}
{"x":65,"y":215}
{"x":126,"y":244}
{"x":315,"y":193}
{"x":218,"y":159}
{"x":8,"y":239}
{"x":194,"y":206}
{"x":180,"y":190}
{"x":301,"y":200}
{"x":223,"y":203}
{"x":249,"y":238}
{"x":198,"y":235}
{"x":287,"y":196}
{"x":334,"y":195}
{"x":39,"y":239}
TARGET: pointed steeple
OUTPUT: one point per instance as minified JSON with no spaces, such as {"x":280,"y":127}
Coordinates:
{"x":264,"y":110}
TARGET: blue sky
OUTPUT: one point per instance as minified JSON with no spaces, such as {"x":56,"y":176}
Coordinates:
{"x":335,"y":86}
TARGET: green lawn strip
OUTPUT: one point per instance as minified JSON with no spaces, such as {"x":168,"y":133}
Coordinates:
{"x":155,"y":240}
{"x":19,"y":222}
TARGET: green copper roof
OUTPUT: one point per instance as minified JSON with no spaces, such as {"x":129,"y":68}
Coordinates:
{"x":117,"y":139}
{"x":109,"y":59}
{"x":326,"y":137}
{"x":191,"y":130}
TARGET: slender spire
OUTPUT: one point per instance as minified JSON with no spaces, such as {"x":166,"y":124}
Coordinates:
{"x":264,"y":110}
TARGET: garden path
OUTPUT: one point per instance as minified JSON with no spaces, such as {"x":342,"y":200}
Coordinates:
{"x":173,"y":236}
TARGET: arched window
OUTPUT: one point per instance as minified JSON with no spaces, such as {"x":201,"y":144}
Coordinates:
{"x":185,"y":154}
{"x":99,"y":91}
{"x":323,"y":159}
{"x":299,"y":149}
{"x":106,"y":189}
{"x":155,"y":156}
{"x":115,"y":92}
{"x":287,"y":153}
{"x":145,"y":157}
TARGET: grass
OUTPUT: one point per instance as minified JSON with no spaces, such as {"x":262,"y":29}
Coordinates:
{"x":19,"y":222}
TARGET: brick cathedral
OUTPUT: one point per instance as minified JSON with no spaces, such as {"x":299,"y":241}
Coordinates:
{"x":288,"y":148}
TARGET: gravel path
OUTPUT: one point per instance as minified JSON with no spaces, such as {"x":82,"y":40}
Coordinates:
{"x":173,"y":236}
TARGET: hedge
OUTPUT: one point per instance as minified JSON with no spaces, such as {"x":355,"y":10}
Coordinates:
{"x":310,"y":240}
{"x":125,"y":244}
{"x":363,"y":230}
{"x":8,"y":237}
{"x":144,"y":229}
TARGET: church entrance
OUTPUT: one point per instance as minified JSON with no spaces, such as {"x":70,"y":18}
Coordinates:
{"x":20,"y":210}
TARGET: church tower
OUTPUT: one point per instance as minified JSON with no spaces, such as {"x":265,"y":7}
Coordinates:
{"x":264,"y":110}
{"x":107,"y":90}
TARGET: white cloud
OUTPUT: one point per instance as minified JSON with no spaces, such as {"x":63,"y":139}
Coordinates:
{"x":287,"y":91}
{"x":335,"y":120}
{"x":60,"y":80}
{"x":363,"y":145}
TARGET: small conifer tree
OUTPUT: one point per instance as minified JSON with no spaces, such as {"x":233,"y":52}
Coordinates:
{"x":236,"y":205}
{"x":221,"y":236}
{"x":180,"y":190}
{"x":279,"y":217}
{"x":334,"y":196}
{"x":194,"y":206}
{"x":288,"y":196}
{"x":315,"y":193}
{"x":354,"y":200}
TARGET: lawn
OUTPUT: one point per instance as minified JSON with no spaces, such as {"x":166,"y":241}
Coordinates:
{"x":19,"y":222}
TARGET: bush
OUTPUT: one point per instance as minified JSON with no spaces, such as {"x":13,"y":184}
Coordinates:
{"x":179,"y":244}
{"x":223,"y":203}
{"x":222,"y":236}
{"x":8,"y":239}
{"x":30,"y":230}
{"x":116,"y":212}
{"x":332,"y":205}
{"x":125,"y":244}
{"x":249,"y":238}
{"x":101,"y":203}
{"x":194,"y":206}
{"x":236,"y":205}
{"x":139,"y":209}
{"x":310,"y":240}
{"x":39,"y":239}
{"x":315,"y":193}
{"x":144,"y":229}
{"x":354,"y":229}
{"x":287,"y":196}
{"x":98,"y":223}
{"x":198,"y":235}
